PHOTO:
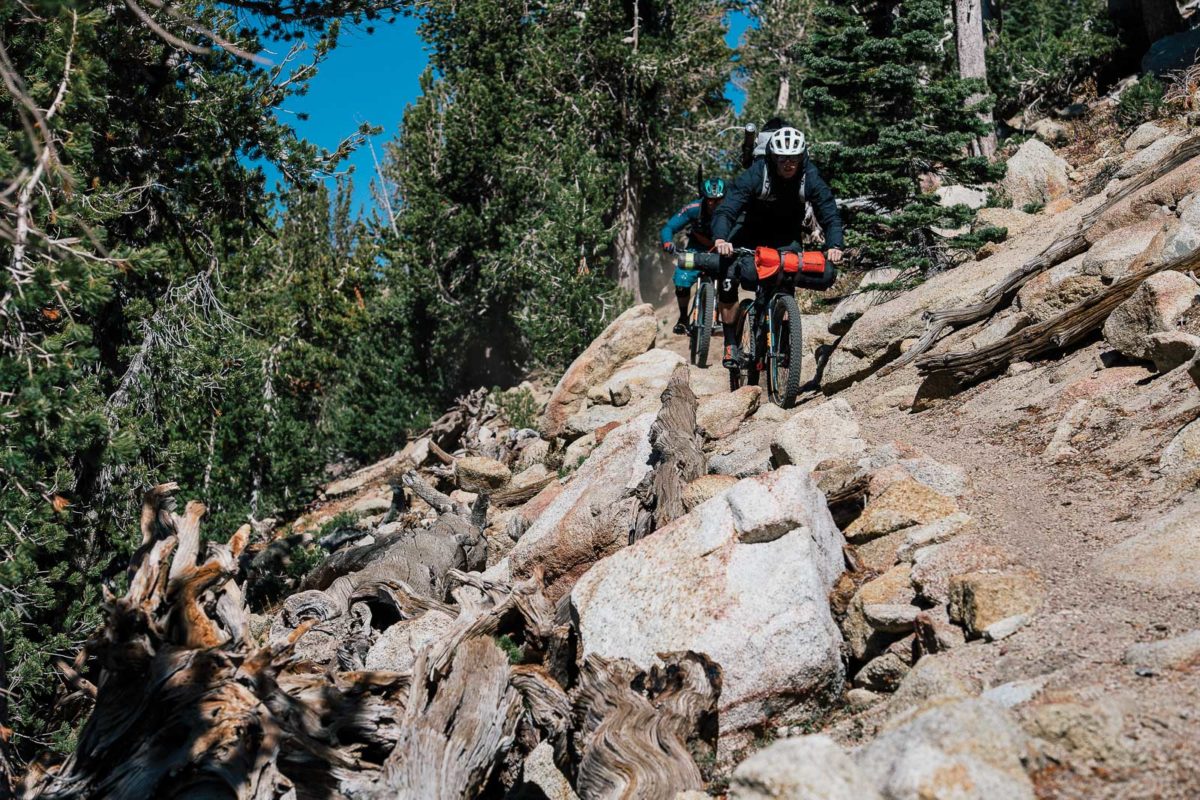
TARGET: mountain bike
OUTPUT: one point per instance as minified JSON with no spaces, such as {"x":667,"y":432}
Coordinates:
{"x":702,"y":314}
{"x":768,"y":328}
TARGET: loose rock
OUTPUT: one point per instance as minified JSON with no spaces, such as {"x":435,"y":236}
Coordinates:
{"x":803,"y":768}
{"x":1178,"y":652}
{"x":1149,"y":156}
{"x":1154,"y":307}
{"x":628,"y":335}
{"x":1171,"y":349}
{"x":979,"y":600}
{"x":704,"y":488}
{"x":743,"y":578}
{"x":815,"y":434}
{"x":969,"y":749}
{"x":479,"y":474}
{"x":1147,"y":133}
{"x":1036,"y":174}
{"x":903,"y":504}
{"x":891,"y":590}
{"x":721,"y":414}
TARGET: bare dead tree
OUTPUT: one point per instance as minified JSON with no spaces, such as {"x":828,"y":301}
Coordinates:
{"x":677,"y":456}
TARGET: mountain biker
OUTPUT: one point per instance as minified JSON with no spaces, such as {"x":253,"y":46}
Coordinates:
{"x":697,"y":217}
{"x":765,"y":206}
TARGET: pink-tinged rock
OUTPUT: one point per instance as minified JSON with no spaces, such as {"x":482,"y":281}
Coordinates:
{"x":903,"y":504}
{"x":721,"y":414}
{"x":1156,"y":305}
{"x":591,"y":516}
{"x":629,"y":335}
{"x":978,"y":600}
{"x":1036,"y":174}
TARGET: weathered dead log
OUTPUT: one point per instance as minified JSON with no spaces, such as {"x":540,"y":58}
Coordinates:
{"x":433,"y":498}
{"x":1066,"y":247}
{"x":459,"y":427}
{"x":175,"y":715}
{"x":677,"y":457}
{"x":548,"y":704}
{"x":186,"y":706}
{"x":638,"y":734}
{"x":515,"y":497}
{"x":441,"y":454}
{"x":417,"y":557}
{"x":1054,"y":334}
{"x":456,"y":723}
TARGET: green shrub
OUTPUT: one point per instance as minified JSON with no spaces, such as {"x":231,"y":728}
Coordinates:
{"x":517,"y":406}
{"x":1141,"y":102}
{"x":1042,"y":52}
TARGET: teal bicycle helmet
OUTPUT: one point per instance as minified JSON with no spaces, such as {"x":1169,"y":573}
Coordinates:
{"x":714,"y":188}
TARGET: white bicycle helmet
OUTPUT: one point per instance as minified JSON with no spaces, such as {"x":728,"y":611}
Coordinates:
{"x":787,"y":142}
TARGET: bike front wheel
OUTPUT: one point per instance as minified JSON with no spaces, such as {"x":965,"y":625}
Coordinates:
{"x":746,"y":373}
{"x":700,"y":333}
{"x":785,"y":351}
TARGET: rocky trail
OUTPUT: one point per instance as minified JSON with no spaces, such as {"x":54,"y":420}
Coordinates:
{"x":646,"y":586}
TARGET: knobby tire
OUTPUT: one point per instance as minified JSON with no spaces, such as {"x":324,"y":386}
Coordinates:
{"x":786,"y":351}
{"x":702,"y":324}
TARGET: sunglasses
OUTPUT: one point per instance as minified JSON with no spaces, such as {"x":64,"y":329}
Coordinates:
{"x":788,"y":159}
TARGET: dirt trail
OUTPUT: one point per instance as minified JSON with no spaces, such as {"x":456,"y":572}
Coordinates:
{"x":1056,"y":516}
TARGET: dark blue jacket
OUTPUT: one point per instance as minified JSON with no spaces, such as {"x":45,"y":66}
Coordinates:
{"x":771,"y":210}
{"x":691,"y":217}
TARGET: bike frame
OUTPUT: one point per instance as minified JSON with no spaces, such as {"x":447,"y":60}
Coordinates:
{"x":760,"y":321}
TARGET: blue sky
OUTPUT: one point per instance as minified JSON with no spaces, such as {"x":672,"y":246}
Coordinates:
{"x":372,"y":78}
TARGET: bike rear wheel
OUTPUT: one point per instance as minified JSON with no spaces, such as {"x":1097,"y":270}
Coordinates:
{"x":746,"y":374}
{"x":701,"y":328}
{"x":785,"y":351}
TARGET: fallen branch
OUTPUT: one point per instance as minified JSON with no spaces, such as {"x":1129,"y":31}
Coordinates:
{"x":1068,"y":327}
{"x":515,"y":497}
{"x":1067,"y":247}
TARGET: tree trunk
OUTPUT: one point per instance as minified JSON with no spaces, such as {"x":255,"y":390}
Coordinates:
{"x":1144,"y":22}
{"x":629,"y":214}
{"x":968,"y":19}
{"x":1160,"y":18}
{"x":783,"y":97}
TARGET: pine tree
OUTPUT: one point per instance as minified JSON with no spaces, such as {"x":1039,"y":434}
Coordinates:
{"x":528,"y":167}
{"x":770,"y":64}
{"x":142,"y":308}
{"x":1042,"y":51}
{"x":887,"y":106}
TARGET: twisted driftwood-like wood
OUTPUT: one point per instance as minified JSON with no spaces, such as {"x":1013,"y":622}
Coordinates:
{"x":638,"y":733}
{"x":677,"y":457}
{"x":1067,"y":247}
{"x":184,"y":704}
{"x":1068,"y":327}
